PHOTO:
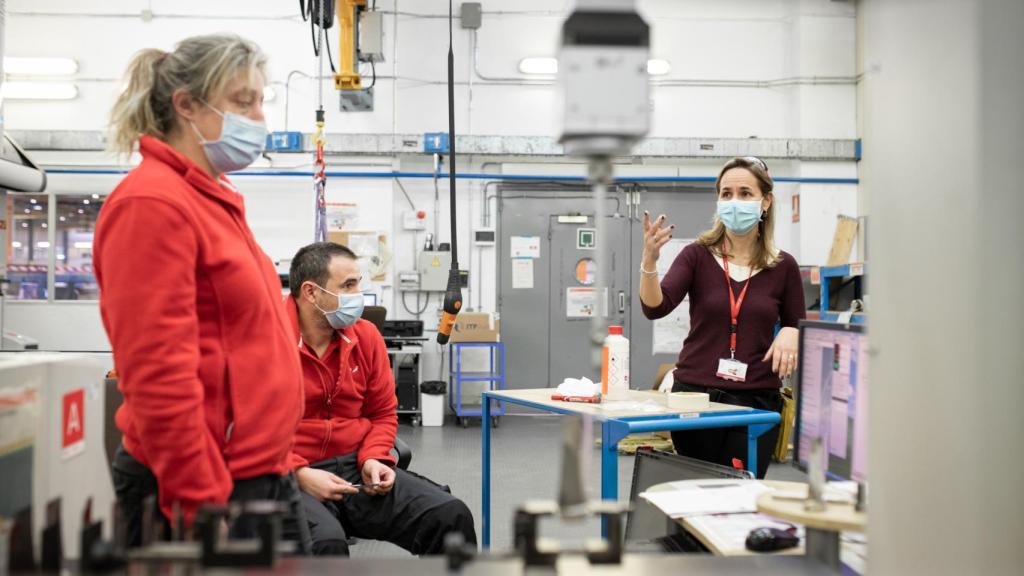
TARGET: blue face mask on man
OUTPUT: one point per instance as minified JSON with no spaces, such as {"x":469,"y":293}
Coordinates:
{"x":739,"y":216}
{"x":350,"y":309}
{"x":241,"y":142}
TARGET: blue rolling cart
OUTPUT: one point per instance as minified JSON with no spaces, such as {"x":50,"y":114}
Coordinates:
{"x":494,"y":379}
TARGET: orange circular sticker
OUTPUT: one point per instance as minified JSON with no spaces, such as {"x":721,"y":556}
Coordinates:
{"x":586,"y":271}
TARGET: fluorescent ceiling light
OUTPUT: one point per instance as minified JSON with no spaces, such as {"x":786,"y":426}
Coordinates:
{"x":83,"y":245}
{"x":658,"y":67}
{"x":15,"y":244}
{"x":42,"y":244}
{"x":16,"y":90}
{"x":539,"y":65}
{"x":269,"y":94}
{"x":15,"y":65}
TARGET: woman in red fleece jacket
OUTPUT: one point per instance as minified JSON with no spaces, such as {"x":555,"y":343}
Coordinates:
{"x":192,"y":306}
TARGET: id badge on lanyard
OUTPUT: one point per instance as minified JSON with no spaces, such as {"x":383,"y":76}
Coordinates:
{"x":730,"y":368}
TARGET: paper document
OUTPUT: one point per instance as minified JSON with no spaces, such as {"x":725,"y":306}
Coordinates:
{"x":697,"y":497}
{"x":672,"y":330}
{"x":669,"y":251}
{"x":525,"y":247}
{"x":729,"y":531}
{"x":522,"y":273}
{"x":582,"y":302}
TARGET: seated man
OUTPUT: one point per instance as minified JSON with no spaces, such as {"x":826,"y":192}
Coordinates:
{"x":349,"y":422}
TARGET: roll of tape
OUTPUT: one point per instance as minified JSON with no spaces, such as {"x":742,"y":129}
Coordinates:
{"x":689,"y":401}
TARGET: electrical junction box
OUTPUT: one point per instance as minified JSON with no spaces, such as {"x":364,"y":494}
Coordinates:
{"x":484,"y":236}
{"x":371,"y":37}
{"x":470,"y":15}
{"x":435,"y":142}
{"x":413,"y":221}
{"x":433,"y":267}
{"x":284,"y":142}
{"x":409,"y":280}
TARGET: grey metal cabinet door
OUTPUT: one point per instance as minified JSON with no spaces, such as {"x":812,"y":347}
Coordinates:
{"x":573,"y":280}
{"x":543,"y":345}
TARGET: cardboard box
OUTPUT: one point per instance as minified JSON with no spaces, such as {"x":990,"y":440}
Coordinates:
{"x":475,"y":327}
{"x":842,"y":242}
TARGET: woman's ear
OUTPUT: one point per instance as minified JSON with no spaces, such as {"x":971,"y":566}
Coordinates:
{"x":185,"y":106}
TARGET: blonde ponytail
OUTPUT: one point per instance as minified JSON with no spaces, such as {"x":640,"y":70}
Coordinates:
{"x":201,"y":65}
{"x":136,"y":111}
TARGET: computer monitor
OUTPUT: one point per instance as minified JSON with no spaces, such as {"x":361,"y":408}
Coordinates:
{"x":369,"y":299}
{"x":831,"y":393}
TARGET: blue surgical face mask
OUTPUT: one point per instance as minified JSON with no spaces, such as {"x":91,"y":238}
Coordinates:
{"x":739,"y":216}
{"x":241,"y":142}
{"x":350,"y":309}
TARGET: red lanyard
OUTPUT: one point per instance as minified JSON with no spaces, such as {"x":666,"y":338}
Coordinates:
{"x":734,"y":305}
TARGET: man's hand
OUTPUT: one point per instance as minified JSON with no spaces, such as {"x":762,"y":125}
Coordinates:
{"x":378,"y":477}
{"x":323,"y":485}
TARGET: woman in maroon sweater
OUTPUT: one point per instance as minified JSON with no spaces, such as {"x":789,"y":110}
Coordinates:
{"x":732,"y":351}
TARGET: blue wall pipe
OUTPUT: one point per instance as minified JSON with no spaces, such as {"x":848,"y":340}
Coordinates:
{"x":467,"y":176}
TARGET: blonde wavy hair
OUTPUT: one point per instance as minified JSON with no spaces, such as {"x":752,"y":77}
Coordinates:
{"x":766,"y":255}
{"x":201,"y":65}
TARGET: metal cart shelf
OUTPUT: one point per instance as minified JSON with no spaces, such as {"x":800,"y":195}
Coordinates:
{"x":856,"y":272}
{"x":494,"y":378}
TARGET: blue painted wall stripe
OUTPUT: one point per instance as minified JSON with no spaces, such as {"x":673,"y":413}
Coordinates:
{"x":466,"y":176}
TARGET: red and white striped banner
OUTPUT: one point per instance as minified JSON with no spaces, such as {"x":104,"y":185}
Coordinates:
{"x":28,"y":268}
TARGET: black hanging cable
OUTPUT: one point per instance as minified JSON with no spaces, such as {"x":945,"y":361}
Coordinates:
{"x":453,"y":292}
{"x":451,"y":139}
{"x":330,"y":59}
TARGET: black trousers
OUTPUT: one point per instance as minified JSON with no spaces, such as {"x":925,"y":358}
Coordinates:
{"x":134,"y":482}
{"x":721,"y":445}
{"x":416,"y":514}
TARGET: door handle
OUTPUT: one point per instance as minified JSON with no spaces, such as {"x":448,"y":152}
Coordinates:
{"x":622,"y":302}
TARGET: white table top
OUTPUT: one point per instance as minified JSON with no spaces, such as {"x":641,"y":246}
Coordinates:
{"x":716,"y":531}
{"x":637,"y":403}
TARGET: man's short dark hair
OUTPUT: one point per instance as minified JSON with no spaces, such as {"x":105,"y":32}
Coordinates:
{"x":311,"y":263}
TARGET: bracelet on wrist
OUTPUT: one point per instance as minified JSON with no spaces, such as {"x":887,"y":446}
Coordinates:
{"x":648,"y":272}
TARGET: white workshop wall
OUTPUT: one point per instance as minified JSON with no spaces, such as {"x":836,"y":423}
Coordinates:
{"x":703,"y":40}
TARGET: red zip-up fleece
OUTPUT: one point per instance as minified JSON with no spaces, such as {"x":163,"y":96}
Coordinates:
{"x":350,"y":397}
{"x":192,"y":306}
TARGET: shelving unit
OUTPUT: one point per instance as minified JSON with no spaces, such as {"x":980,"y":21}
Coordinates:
{"x":494,"y":378}
{"x":856,"y":271}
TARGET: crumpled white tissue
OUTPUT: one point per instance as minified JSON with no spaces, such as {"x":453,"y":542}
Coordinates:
{"x":578,"y":387}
